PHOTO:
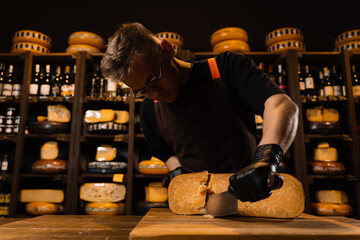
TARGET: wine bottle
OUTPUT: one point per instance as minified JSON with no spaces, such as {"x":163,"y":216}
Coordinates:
{"x":281,"y":78}
{"x":310,"y":89}
{"x":301,"y":81}
{"x":45,"y":83}
{"x":271,"y":73}
{"x":2,"y":77}
{"x":16,"y":92}
{"x":111,"y":87}
{"x":336,"y":82}
{"x":4,"y":163}
{"x":34,"y":85}
{"x":328,"y":85}
{"x":56,"y":83}
{"x":72,"y":81}
{"x":8,"y":84}
{"x":321,"y":90}
{"x":355,"y":83}
{"x":65,"y":87}
{"x":102,"y":87}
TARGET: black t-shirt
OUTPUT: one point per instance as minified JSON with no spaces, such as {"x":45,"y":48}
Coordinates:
{"x":249,"y":86}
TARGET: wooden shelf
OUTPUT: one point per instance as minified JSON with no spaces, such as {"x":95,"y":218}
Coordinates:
{"x":7,"y":137}
{"x":64,"y":137}
{"x":99,"y":137}
{"x":148,"y":176}
{"x":50,"y":100}
{"x":341,"y":137}
{"x":53,"y":177}
{"x":351,"y":178}
{"x":109,"y":176}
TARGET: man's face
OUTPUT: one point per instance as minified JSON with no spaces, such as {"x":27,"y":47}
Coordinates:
{"x":155,"y":76}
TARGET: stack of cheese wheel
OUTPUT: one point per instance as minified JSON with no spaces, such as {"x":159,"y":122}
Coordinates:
{"x":107,"y":121}
{"x":153,"y":166}
{"x":29,"y":40}
{"x":325,"y":161}
{"x":283,"y":39}
{"x":349,"y":40}
{"x":230,"y":39}
{"x":49,"y":162}
{"x":174,"y":38}
{"x":85,"y":41}
{"x":103,"y":198}
{"x":323,"y":120}
{"x":42,"y":201}
{"x":331,"y":203}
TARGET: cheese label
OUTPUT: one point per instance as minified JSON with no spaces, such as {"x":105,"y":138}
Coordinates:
{"x":118,"y":177}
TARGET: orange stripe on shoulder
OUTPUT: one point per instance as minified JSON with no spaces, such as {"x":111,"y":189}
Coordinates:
{"x":213,"y":68}
{"x":156,"y":101}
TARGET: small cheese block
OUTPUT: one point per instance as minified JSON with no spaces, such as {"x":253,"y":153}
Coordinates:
{"x":228,"y":33}
{"x":42,"y":195}
{"x":107,"y":167}
{"x":328,"y":154}
{"x":44,"y":208}
{"x":74,"y":48}
{"x":330,"y":115}
{"x":105,"y":208}
{"x":153,"y":166}
{"x":314,"y":115}
{"x":327,"y":168}
{"x":102,"y":192}
{"x":231,"y":45}
{"x":58,"y":113}
{"x":92,"y":116}
{"x":331,"y":196}
{"x":87,"y":38}
{"x":122,"y":117}
{"x":105,"y":152}
{"x":49,"y":151}
{"x":49,"y":166}
{"x":331,"y":209}
{"x":156,"y":192}
{"x":33,"y":37}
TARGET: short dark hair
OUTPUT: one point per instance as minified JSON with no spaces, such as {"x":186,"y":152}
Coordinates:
{"x":130,"y":40}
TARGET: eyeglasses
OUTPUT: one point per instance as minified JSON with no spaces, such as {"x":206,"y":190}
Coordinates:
{"x":154,"y":82}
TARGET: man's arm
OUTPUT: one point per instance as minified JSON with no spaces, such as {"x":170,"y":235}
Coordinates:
{"x":172,"y":163}
{"x":280,"y":121}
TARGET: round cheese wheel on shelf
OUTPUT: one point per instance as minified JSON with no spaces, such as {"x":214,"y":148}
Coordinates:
{"x":331,"y":209}
{"x":87,"y":38}
{"x":105,"y":208}
{"x":331,"y":196}
{"x":324,"y":127}
{"x":174,"y":38}
{"x":43,"y":208}
{"x":286,"y":45}
{"x":82,"y":47}
{"x":228,"y":33}
{"x":102,"y":192}
{"x":327,"y":168}
{"x":107,"y":167}
{"x":355,"y":45}
{"x":153,"y":167}
{"x":21,"y":47}
{"x":283,"y":34}
{"x":49,"y":166}
{"x":348,"y":36}
{"x":231,"y":45}
{"x":33,"y":37}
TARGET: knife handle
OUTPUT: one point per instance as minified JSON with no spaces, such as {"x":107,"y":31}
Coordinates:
{"x":275,"y":181}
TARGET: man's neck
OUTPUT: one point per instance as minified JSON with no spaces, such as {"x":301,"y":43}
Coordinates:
{"x":184,"y":70}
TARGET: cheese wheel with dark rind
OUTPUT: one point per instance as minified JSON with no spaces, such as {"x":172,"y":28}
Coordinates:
{"x":21,"y":47}
{"x":331,"y":209}
{"x":105,"y":208}
{"x":231,"y":45}
{"x":228,"y":33}
{"x":283,"y":34}
{"x":87,"y":38}
{"x":44,"y":208}
{"x":33,"y":37}
{"x":286,"y":45}
{"x":49,"y":166}
{"x":348,"y":36}
{"x":327,"y":168}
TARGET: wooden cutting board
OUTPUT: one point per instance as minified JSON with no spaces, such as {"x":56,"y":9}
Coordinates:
{"x":164,"y":224}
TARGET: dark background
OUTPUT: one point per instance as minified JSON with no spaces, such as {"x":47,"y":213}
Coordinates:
{"x":320,"y":21}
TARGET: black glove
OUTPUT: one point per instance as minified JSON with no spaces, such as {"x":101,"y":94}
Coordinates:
{"x":251,"y":183}
{"x":177,"y":171}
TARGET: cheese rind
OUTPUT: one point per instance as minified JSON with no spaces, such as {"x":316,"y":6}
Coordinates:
{"x":42,"y":195}
{"x":155,"y":192}
{"x":49,"y":151}
{"x":102,"y":192}
{"x":58,"y":113}
{"x":331,"y":196}
{"x":105,"y":208}
{"x":43,"y":208}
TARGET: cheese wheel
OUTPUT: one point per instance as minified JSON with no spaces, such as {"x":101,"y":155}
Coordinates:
{"x":49,"y":151}
{"x":172,"y":37}
{"x":355,"y":45}
{"x":327,"y":168}
{"x":283,"y":34}
{"x":87,"y":38}
{"x":348,"y":36}
{"x":49,"y":166}
{"x":122,"y":117}
{"x":331,"y":209}
{"x":187,"y":195}
{"x":58,"y":113}
{"x":153,"y":167}
{"x":286,"y":45}
{"x":32,"y":37}
{"x":42,"y":195}
{"x":22,"y":47}
{"x":328,"y":154}
{"x":107,"y":167}
{"x":105,"y":208}
{"x":105,"y":152}
{"x":314,"y":115}
{"x":228,"y":33}
{"x":156,"y":192}
{"x":82,"y":47}
{"x":231,"y":45}
{"x":331,"y":196}
{"x":102,"y":192}
{"x":43,"y":208}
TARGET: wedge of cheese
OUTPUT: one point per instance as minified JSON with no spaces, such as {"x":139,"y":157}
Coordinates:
{"x":49,"y":151}
{"x":42,"y":195}
{"x":331,"y":196}
{"x":58,"y":113}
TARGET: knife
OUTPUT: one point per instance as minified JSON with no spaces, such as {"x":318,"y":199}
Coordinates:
{"x":223,"y":204}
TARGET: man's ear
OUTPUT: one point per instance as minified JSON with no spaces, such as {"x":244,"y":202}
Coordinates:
{"x":168,"y":48}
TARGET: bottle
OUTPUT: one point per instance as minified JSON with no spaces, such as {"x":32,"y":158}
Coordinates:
{"x":321,"y":84}
{"x":336,"y":82}
{"x":8,"y":84}
{"x":328,"y":85}
{"x":4,"y":163}
{"x":355,"y":83}
{"x":2,"y":77}
{"x":310,"y":89}
{"x":125,"y":92}
{"x":301,"y":81}
{"x":65,"y":87}
{"x":72,"y":81}
{"x":271,"y":73}
{"x":111,"y":87}
{"x":16,"y":92}
{"x":261,"y":66}
{"x":102,"y":87}
{"x":56,"y":83}
{"x":34,"y":85}
{"x":45,"y":82}
{"x":95,"y":81}
{"x":342,"y":82}
{"x":281,"y":78}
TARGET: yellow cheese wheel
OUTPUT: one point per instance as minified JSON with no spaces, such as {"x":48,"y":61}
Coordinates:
{"x":156,"y":192}
{"x":355,"y":45}
{"x":43,"y":208}
{"x":42,"y":195}
{"x":331,"y":209}
{"x":286,"y":45}
{"x":283,"y":34}
{"x":348,"y":36}
{"x":231,"y":45}
{"x":105,"y":208}
{"x":153,"y":167}
{"x":82,"y":47}
{"x":87,"y":38}
{"x":331,"y":196}
{"x":121,"y":117}
{"x":102,"y":192}
{"x":328,"y":154}
{"x":33,"y":37}
{"x":49,"y":166}
{"x":58,"y":113}
{"x":174,"y":38}
{"x":228,"y":33}
{"x":21,"y":47}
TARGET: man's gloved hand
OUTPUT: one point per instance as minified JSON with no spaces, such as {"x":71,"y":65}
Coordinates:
{"x":177,"y":171}
{"x":251,"y":182}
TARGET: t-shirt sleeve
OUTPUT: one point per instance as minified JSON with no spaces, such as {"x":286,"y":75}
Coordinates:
{"x":155,"y":142}
{"x":247,"y":82}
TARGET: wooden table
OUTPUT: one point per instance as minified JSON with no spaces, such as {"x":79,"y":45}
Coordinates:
{"x":9,"y":220}
{"x":163,"y":224}
{"x":70,"y":227}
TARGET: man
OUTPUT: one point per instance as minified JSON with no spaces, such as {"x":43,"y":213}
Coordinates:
{"x":200,"y":116}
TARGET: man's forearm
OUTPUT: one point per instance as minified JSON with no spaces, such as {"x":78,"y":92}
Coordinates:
{"x":172,"y":163}
{"x":280,"y":121}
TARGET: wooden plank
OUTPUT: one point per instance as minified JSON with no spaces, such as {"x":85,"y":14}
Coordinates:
{"x":163,"y":224}
{"x":70,"y":227}
{"x":9,"y":220}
